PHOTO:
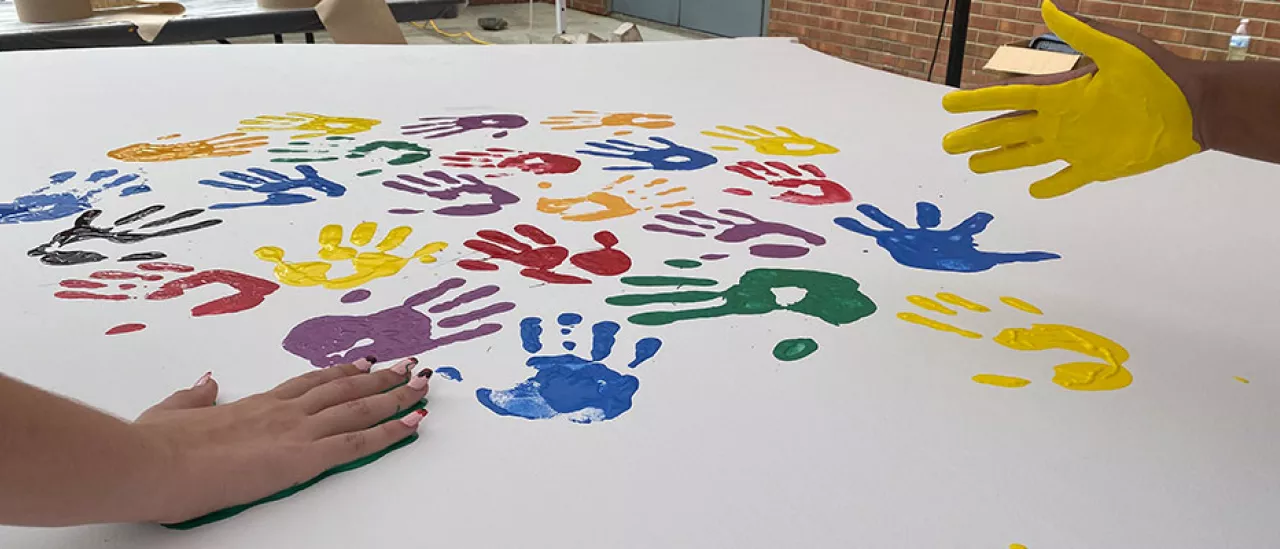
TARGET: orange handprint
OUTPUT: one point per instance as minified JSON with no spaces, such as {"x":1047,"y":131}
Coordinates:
{"x":611,"y":205}
{"x":227,"y":144}
{"x":585,"y":120}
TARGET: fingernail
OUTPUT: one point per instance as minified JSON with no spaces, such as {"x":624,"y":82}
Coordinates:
{"x":203,"y":379}
{"x":419,"y":381}
{"x":363,"y":364}
{"x":405,"y":366}
{"x":412,"y":420}
{"x":372,"y":359}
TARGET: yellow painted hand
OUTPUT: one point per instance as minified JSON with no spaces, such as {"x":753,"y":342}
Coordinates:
{"x":585,"y":120}
{"x":610,"y":204}
{"x":229,"y":144}
{"x":784,"y":142}
{"x":1106,"y":375}
{"x":312,"y":125}
{"x":366,"y":266}
{"x":1123,"y":117}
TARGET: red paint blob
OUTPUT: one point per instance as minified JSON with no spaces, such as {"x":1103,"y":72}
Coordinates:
{"x":738,"y":191}
{"x":86,"y":284}
{"x":90,"y":295}
{"x":126,"y":328}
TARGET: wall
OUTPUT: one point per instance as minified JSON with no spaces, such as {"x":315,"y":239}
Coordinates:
{"x":898,"y":35}
{"x":598,"y":7}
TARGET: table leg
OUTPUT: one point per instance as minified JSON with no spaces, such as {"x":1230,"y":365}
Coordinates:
{"x":279,"y":38}
{"x":311,"y":38}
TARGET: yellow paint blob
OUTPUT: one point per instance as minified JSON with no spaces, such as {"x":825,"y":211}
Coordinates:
{"x":1001,"y":381}
{"x":783,"y":142}
{"x":312,"y":125}
{"x":366,"y":266}
{"x":1241,"y":379}
{"x":962,"y":302}
{"x":1017,"y":546}
{"x":229,"y":144}
{"x":940,"y":326}
{"x":1108,"y":375}
{"x":1021,"y":305}
{"x":724,"y":148}
{"x":926,"y":303}
{"x":544,"y":185}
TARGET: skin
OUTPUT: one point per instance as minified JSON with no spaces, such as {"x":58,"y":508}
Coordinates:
{"x":64,"y":463}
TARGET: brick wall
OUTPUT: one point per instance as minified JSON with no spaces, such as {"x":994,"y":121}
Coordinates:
{"x":898,"y":35}
{"x":598,"y":7}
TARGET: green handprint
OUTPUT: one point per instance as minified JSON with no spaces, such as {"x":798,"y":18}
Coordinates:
{"x":831,"y":297}
{"x":333,"y":147}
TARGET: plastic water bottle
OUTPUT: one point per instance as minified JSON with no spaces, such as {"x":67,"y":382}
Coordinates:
{"x":1239,"y":42}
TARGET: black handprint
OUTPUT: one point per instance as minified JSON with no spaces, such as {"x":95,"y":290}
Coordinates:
{"x":83,"y":229}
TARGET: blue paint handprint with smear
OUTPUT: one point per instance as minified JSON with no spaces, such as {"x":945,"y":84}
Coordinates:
{"x":937,"y":250}
{"x":277,"y":186}
{"x":61,"y":199}
{"x":668,"y":157}
{"x":581,"y":389}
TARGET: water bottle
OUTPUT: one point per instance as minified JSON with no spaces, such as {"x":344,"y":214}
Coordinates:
{"x":1239,"y":42}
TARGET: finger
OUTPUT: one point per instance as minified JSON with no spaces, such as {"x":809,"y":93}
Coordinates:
{"x":928,"y":215}
{"x":403,"y":187}
{"x":1015,"y":97}
{"x":462,"y":299}
{"x":609,"y":147}
{"x":435,"y":174}
{"x":790,"y":132}
{"x":880,"y":217}
{"x":200,"y":395}
{"x":1088,"y":40}
{"x":395,"y":237}
{"x":299,"y":385}
{"x":725,"y":136}
{"x":499,"y":237}
{"x":856,"y":226}
{"x":535,"y":234}
{"x":662,"y":140}
{"x":1066,"y":180}
{"x":988,"y":134}
{"x":330,"y":237}
{"x":362,"y":413}
{"x":426,"y":254}
{"x":783,"y":167}
{"x":749,"y":169}
{"x":243,"y":177}
{"x":348,"y":388}
{"x":763,"y":132}
{"x":1012,"y":157}
{"x":814,"y":170}
{"x":271,"y":174}
{"x":347,"y":447}
{"x":225,"y":185}
{"x":975,"y":224}
{"x":363,"y":233}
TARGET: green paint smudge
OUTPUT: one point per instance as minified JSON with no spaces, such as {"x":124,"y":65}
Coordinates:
{"x":299,"y":142}
{"x":788,"y":350}
{"x":340,"y":138}
{"x":676,"y":281}
{"x":416,"y":152}
{"x":370,"y":172}
{"x":683,"y":263}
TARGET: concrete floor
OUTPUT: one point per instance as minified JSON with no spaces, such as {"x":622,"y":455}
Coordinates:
{"x":517,"y":32}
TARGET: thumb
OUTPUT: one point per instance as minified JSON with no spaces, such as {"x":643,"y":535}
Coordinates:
{"x":200,"y":395}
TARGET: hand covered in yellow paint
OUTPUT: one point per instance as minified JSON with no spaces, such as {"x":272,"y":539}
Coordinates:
{"x":229,"y":144}
{"x":1127,"y":115}
{"x":784,"y":142}
{"x":366,"y":266}
{"x":312,"y":125}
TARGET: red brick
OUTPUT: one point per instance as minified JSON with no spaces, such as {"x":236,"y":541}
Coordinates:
{"x":900,"y":23}
{"x":1228,"y":7}
{"x":1268,"y":48}
{"x":1272,"y":30}
{"x":1028,"y":15}
{"x":1016,"y":28}
{"x":1207,"y":40}
{"x":923,"y":14}
{"x":1143,"y":14}
{"x":1268,"y":9}
{"x":1177,"y":4}
{"x":1163,"y":34}
{"x":1190,"y":52}
{"x":872,"y":19}
{"x":1191,"y":20}
{"x":1001,"y":11}
{"x":914,"y":39}
{"x":983,"y":22}
{"x":931,"y":29}
{"x":1105,"y":9}
{"x":890,"y":8}
{"x":1226,"y":24}
{"x":822,"y":11}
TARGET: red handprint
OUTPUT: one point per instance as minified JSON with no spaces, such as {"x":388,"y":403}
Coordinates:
{"x":250,"y":290}
{"x":539,"y":261}
{"x":780,"y":174}
{"x":541,"y":163}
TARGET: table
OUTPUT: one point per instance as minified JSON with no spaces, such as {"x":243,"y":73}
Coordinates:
{"x":204,"y":20}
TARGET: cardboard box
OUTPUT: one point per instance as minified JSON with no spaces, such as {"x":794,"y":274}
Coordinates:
{"x":1017,"y":59}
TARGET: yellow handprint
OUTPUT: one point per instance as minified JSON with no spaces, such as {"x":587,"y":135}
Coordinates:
{"x":228,"y":144}
{"x":1123,"y":117}
{"x":1109,"y":374}
{"x":786,"y":143}
{"x":611,"y":205}
{"x":314,"y":125}
{"x":366,"y":265}
{"x":585,"y":120}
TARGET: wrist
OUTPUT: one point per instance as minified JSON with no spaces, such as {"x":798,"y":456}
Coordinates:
{"x":155,"y":475}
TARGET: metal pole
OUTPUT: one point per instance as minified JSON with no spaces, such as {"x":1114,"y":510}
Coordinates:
{"x":560,"y":17}
{"x":959,"y":34}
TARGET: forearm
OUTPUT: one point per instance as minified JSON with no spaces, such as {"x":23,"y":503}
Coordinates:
{"x":1238,"y":108}
{"x":65,"y":463}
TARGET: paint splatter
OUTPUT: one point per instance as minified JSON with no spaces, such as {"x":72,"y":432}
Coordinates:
{"x":608,"y":204}
{"x":126,"y":328}
{"x":435,"y":127}
{"x":227,"y":144}
{"x":737,"y":227}
{"x":374,"y":171}
{"x":397,"y":332}
{"x":365,"y":265}
{"x":712,"y":257}
{"x":789,"y":350}
{"x":682,"y":263}
{"x":355,"y":296}
{"x":583,"y":390}
{"x":280,"y":189}
{"x":404,"y":211}
{"x":250,"y":291}
{"x":120,"y":232}
{"x":449,"y":372}
{"x":311,"y":125}
{"x":781,"y":175}
{"x":64,"y":196}
{"x":783,"y":142}
{"x":540,"y":260}
{"x":586,"y":120}
{"x":997,"y":380}
{"x":936,"y":250}
{"x":495,"y":158}
{"x":481,"y":198}
{"x":1241,"y":379}
{"x":666,"y":156}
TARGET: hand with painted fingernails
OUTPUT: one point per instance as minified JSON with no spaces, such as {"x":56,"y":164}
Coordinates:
{"x":240,"y":452}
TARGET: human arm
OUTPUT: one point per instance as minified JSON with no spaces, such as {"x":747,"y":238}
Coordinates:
{"x":64,"y":463}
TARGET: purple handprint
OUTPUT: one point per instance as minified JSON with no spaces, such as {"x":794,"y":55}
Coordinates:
{"x":449,"y":188}
{"x":433,"y":127}
{"x":694,"y":223}
{"x":396,"y":332}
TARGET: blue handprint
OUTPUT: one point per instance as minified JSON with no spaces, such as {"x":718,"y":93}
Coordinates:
{"x":936,"y":250}
{"x":669,"y":156}
{"x":60,"y":199}
{"x":275,"y":185}
{"x":583,"y":390}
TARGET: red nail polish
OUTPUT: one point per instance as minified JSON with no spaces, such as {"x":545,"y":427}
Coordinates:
{"x":203,"y":379}
{"x":412,"y":420}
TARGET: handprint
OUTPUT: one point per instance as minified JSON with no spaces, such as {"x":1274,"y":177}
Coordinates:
{"x":782,"y":175}
{"x":830,"y":297}
{"x":61,"y":199}
{"x":365,"y":266}
{"x":275,"y":185}
{"x":395,"y":332}
{"x":669,"y":156}
{"x":586,"y":120}
{"x":250,"y":291}
{"x":51,"y":253}
{"x":335,"y":147}
{"x":936,"y":250}
{"x":312,"y":125}
{"x":494,"y":158}
{"x":442,"y":186}
{"x":1107,"y":375}
{"x":784,"y":142}
{"x":696,"y":224}
{"x":434,"y":127}
{"x":608,"y":205}
{"x":538,"y":262}
{"x":581,"y":389}
{"x":227,"y":144}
